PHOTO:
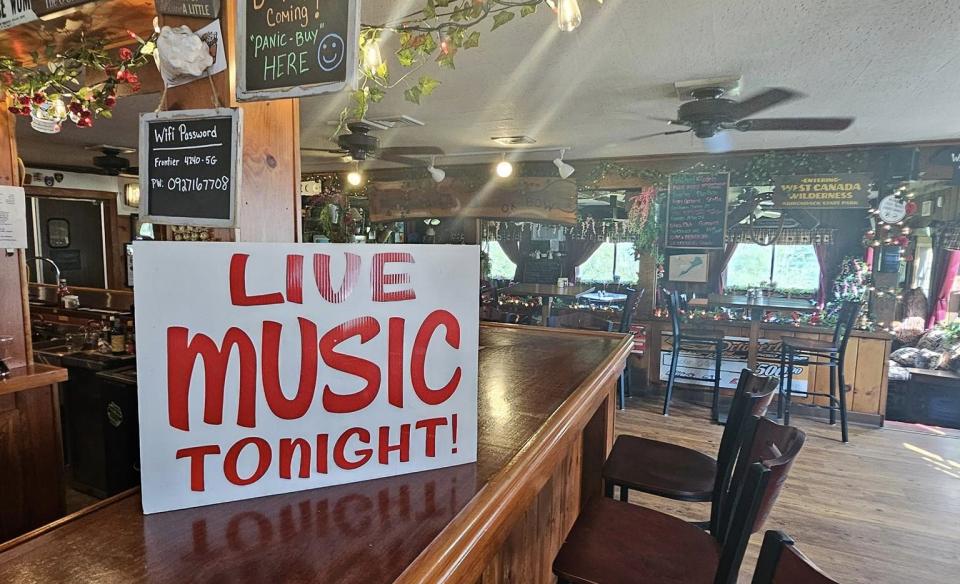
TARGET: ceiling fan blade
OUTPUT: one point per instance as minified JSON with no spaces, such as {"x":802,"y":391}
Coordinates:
{"x":762,"y":101}
{"x":413,"y":150}
{"x":404,"y":160}
{"x":795,"y":124}
{"x":645,"y":136}
{"x":326,"y":152}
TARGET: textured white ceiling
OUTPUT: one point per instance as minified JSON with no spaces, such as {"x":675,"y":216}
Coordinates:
{"x":894,"y":65}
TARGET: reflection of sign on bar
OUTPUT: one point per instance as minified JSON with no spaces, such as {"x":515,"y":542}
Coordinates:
{"x":532,"y":199}
{"x":700,"y":366}
{"x":822,"y":191}
{"x":189,"y":167}
{"x":274,"y":368}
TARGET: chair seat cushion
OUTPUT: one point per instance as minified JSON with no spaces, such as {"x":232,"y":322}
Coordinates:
{"x":620,"y":543}
{"x":811,"y":345}
{"x":660,"y":468}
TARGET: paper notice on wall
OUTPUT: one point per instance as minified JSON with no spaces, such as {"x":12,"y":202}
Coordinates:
{"x":13,"y":218}
{"x":14,"y":12}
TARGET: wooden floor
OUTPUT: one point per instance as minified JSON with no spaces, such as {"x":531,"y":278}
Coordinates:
{"x":883,"y":508}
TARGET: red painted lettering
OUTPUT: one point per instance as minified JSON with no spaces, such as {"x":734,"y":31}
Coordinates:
{"x":233,"y":455}
{"x":366,"y":328}
{"x":289,"y":409}
{"x":378,"y":279}
{"x":384,"y":447}
{"x":238,"y":285}
{"x":363,"y":454}
{"x":321,"y":273}
{"x":295,"y":279}
{"x":287,"y":448}
{"x":196,"y":455}
{"x":418,"y":360}
{"x":395,"y":361}
{"x":430,"y":436}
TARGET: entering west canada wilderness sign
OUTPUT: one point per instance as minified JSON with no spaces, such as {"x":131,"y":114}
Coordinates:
{"x":273,"y":368}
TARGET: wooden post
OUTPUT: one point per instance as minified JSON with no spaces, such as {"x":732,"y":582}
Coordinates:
{"x":269,"y":197}
{"x":14,"y":310}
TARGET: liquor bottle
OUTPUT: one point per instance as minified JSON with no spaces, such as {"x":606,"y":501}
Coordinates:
{"x":118,"y":336}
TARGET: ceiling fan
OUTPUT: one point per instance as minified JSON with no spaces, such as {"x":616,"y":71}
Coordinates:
{"x":359,"y":144}
{"x":710,"y":114}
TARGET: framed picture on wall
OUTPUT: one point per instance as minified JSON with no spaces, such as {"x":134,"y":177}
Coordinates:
{"x":690,"y":267}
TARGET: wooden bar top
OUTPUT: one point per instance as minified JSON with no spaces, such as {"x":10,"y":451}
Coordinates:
{"x":30,"y":377}
{"x":535,"y":387}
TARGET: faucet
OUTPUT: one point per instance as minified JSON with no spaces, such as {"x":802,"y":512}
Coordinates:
{"x":53,"y":264}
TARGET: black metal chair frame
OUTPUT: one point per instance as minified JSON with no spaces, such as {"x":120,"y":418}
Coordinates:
{"x":832,"y":358}
{"x":681,"y":341}
{"x":626,"y":318}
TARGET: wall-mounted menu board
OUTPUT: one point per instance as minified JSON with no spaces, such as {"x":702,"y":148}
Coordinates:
{"x":189,"y":167}
{"x":295,"y":47}
{"x":697,"y":210}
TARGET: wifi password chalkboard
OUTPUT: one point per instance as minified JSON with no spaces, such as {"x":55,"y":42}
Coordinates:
{"x":296,"y":47}
{"x":697,"y":211}
{"x":189,"y":167}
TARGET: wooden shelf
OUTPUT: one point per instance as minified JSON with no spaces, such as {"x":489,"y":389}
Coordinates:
{"x":31,"y":377}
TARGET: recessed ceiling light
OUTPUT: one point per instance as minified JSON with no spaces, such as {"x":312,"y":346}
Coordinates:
{"x":513,"y":140}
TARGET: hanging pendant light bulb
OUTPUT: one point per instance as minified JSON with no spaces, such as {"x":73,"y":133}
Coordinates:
{"x":568,"y":15}
{"x":372,"y":59}
{"x":504,"y":168}
{"x":437,"y":173}
{"x":355,"y":179}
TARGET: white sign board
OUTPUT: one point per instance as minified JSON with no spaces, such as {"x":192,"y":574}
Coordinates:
{"x":272,"y":368}
{"x":14,"y":12}
{"x":13,"y":218}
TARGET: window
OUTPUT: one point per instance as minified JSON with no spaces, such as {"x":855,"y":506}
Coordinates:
{"x":612,"y":262}
{"x":501,"y":268}
{"x":790,"y":267}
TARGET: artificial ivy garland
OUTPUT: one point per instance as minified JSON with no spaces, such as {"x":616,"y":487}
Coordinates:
{"x":53,"y":92}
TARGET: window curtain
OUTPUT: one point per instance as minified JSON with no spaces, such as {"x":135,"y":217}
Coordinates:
{"x":947,"y":264}
{"x":516,"y":251}
{"x":721,"y":281}
{"x":823,"y":258}
{"x":578,"y":252}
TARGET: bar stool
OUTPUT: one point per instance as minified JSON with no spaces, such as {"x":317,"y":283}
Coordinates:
{"x":781,"y":563}
{"x":828,"y":354}
{"x":683,"y":474}
{"x":692,"y":339}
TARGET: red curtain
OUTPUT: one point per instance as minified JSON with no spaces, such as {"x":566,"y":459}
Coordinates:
{"x":516,"y":251}
{"x":823,"y":258}
{"x":868,"y":257}
{"x":721,"y":281}
{"x":578,"y":252}
{"x":948,"y":264}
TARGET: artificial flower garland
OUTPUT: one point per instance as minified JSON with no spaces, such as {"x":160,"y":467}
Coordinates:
{"x":52,"y":93}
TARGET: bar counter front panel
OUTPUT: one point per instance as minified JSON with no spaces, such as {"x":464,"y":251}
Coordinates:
{"x":546,"y":408}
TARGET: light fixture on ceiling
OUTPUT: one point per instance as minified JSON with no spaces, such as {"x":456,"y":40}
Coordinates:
{"x":354,"y":178}
{"x":563,"y":168}
{"x":437,"y":174}
{"x":568,"y":15}
{"x":131,"y":195}
{"x":431,"y":222}
{"x":504,"y":168}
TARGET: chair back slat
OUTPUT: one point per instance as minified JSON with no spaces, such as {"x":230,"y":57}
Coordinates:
{"x":846,"y":319}
{"x":781,"y":563}
{"x":751,"y":398}
{"x":746,"y":500}
{"x":673,"y":307}
{"x":776,"y":447}
{"x":629,"y":308}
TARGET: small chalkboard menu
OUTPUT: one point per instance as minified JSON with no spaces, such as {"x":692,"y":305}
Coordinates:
{"x":296,"y":47}
{"x":697,"y":210}
{"x":543,"y":271}
{"x":189,"y":167}
{"x":889,"y":260}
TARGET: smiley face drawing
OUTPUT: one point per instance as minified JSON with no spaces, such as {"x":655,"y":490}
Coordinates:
{"x":331,"y":52}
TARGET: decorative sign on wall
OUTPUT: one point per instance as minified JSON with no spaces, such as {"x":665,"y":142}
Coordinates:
{"x":189,"y":167}
{"x":892,"y":209}
{"x":698,"y":368}
{"x":822,"y":191}
{"x":296,"y":47}
{"x":526,"y":199}
{"x":692,"y":267}
{"x":196,"y":8}
{"x":13,"y":218}
{"x":697,"y":210}
{"x":273,"y":368}
{"x":15,"y":12}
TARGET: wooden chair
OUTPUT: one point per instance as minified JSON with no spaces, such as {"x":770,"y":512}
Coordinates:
{"x":829,"y":354}
{"x":683,"y":474}
{"x":781,"y":563}
{"x":697,"y":340}
{"x":618,"y":543}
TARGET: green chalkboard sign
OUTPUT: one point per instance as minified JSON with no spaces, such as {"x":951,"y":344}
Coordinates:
{"x":295,"y":48}
{"x":697,"y":211}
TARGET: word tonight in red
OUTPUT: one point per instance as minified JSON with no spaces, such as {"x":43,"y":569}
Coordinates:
{"x":185,"y":350}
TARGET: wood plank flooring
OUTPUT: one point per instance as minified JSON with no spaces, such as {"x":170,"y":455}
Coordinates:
{"x":884,"y":508}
